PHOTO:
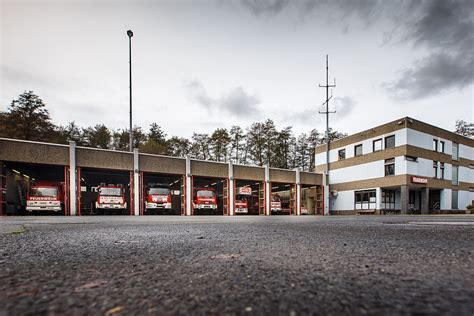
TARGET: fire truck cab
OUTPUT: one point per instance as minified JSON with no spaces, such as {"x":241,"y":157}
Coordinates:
{"x":158,"y":197}
{"x":110,"y":197}
{"x":205,"y":199}
{"x":242,"y":198}
{"x":45,"y":196}
{"x":275,"y":206}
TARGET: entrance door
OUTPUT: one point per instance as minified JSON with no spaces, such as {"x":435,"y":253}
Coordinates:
{"x":434,"y":199}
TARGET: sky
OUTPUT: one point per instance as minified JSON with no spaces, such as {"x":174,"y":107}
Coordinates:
{"x":206,"y":64}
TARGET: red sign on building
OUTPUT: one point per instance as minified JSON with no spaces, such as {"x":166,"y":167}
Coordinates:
{"x":420,"y":180}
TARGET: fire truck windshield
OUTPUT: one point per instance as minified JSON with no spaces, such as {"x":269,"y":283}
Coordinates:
{"x":275,"y":198}
{"x":38,"y":191}
{"x":205,"y":193}
{"x":161,"y":191}
{"x":110,"y":191}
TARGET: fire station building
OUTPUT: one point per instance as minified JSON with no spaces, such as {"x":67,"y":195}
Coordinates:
{"x":405,"y":166}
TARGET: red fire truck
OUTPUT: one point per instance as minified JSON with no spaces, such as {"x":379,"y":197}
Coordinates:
{"x":275,"y":206}
{"x":110,"y":197}
{"x":158,"y":197}
{"x":242,"y":198}
{"x":45,"y":196}
{"x":205,"y":199}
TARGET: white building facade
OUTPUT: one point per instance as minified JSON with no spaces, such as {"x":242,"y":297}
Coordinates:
{"x":405,"y":166}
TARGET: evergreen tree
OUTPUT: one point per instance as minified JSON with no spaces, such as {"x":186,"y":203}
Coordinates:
{"x":220,"y":140}
{"x":27,"y":119}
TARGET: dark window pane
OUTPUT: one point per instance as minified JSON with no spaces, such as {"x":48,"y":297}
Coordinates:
{"x":390,"y":141}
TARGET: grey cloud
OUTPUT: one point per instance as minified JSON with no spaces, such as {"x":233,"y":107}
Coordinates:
{"x":270,"y":7}
{"x":344,"y":106}
{"x":447,"y":29}
{"x":236,"y":102}
{"x":311,"y":116}
{"x":433,"y":74}
{"x":444,"y":28}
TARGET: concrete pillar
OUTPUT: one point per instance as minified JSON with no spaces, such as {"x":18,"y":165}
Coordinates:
{"x":268,"y":191}
{"x":404,"y":191}
{"x":378,"y":199}
{"x":298,"y":192}
{"x":189,"y":189}
{"x":326,"y":194}
{"x":136,"y":183}
{"x":425,"y":198}
{"x":72,"y":179}
{"x":231,"y":188}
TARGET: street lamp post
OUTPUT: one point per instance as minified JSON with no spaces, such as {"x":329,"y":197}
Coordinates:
{"x":130,"y":34}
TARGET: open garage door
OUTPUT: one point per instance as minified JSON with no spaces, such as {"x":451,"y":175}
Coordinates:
{"x":261,"y":199}
{"x":104,"y":192}
{"x":208,"y":195}
{"x":246,"y":197}
{"x":3,"y":189}
{"x":33,"y":189}
{"x":162,"y":194}
{"x":282,"y":202}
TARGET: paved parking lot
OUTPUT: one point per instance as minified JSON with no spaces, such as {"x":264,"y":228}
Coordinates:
{"x":237,"y":265}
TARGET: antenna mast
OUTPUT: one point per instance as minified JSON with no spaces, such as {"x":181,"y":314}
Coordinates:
{"x":327,"y":112}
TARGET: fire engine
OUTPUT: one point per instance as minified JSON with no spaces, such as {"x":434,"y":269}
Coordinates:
{"x":110,"y":197}
{"x":158,"y":197}
{"x":242,"y":200}
{"x":205,"y":199}
{"x":275,"y":206}
{"x":45,"y":196}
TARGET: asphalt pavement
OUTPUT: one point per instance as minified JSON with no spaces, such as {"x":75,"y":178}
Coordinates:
{"x":277,"y":265}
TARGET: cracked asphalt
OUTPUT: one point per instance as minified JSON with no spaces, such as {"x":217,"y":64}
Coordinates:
{"x":237,"y":265}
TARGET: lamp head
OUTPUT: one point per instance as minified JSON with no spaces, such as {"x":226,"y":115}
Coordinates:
{"x":129,"y":33}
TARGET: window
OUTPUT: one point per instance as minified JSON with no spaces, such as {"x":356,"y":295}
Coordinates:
{"x":388,"y":199}
{"x":454,"y":200}
{"x":441,"y":170}
{"x":441,"y":146}
{"x":377,"y":145}
{"x":455,"y":175}
{"x":342,"y":154}
{"x":435,"y":169}
{"x":411,"y":158}
{"x":455,"y":154}
{"x":390,"y":167}
{"x":435,"y":144}
{"x":390,"y":141}
{"x":364,"y":200}
{"x":358,"y":150}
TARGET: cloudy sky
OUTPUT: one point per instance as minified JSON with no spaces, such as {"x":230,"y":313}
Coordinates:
{"x":203,"y":64}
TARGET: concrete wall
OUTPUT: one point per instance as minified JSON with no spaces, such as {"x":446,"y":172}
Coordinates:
{"x":104,"y":159}
{"x":33,"y":152}
{"x":282,"y":176}
{"x":162,"y":164}
{"x":249,"y":173}
{"x":311,"y":178}
{"x":209,"y":169}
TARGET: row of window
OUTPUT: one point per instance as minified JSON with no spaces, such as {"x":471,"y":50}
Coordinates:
{"x":438,"y":146}
{"x":440,"y":174}
{"x":376,"y":146}
{"x":365,"y":200}
{"x":436,"y":174}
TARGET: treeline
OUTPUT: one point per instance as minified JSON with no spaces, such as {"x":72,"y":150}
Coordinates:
{"x":261,"y":143}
